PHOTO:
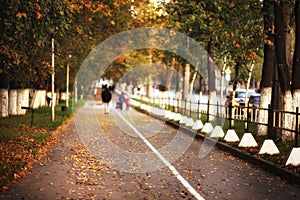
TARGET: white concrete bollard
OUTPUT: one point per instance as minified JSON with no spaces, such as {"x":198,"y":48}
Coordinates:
{"x":177,"y":117}
{"x":217,"y":132}
{"x":161,"y":112}
{"x":197,"y":125}
{"x":167,"y":113}
{"x":294,"y":158}
{"x":171,"y":115}
{"x":269,"y":147}
{"x":248,"y":141}
{"x":231,"y":136}
{"x":190,"y":122}
{"x":207,"y":128}
{"x":183,"y":120}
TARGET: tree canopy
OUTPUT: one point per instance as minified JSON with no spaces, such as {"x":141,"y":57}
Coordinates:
{"x":231,"y":28}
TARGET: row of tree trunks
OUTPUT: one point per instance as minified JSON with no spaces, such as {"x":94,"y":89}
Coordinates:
{"x":12,"y":101}
{"x":288,"y":97}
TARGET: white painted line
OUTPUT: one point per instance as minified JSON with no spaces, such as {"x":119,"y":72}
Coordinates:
{"x":167,"y":163}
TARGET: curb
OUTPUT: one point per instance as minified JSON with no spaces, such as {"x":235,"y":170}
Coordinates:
{"x":269,"y":166}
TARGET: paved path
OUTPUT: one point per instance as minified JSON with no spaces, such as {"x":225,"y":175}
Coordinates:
{"x":123,"y":155}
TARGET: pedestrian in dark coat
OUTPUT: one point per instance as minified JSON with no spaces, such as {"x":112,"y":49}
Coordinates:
{"x":106,"y":98}
{"x":121,"y":100}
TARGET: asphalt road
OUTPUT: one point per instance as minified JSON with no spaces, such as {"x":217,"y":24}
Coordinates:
{"x":129,"y":155}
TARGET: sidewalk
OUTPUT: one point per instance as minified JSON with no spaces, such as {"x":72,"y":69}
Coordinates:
{"x":71,"y":171}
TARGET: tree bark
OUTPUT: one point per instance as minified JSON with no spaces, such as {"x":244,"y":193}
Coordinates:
{"x":12,"y":103}
{"x":211,"y":80}
{"x":287,"y":35}
{"x":168,"y":79}
{"x":3,"y":102}
{"x":39,"y":99}
{"x":22,"y":100}
{"x":178,"y":77}
{"x":192,"y":83}
{"x":211,"y":67}
{"x":268,"y":66}
{"x":283,"y":70}
{"x":149,"y":86}
{"x":186,"y":82}
{"x":296,"y":62}
{"x":222,"y":80}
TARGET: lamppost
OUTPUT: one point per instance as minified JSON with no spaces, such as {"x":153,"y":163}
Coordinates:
{"x":52,"y":78}
{"x":75,"y":90}
{"x":67,"y":84}
{"x":227,"y":78}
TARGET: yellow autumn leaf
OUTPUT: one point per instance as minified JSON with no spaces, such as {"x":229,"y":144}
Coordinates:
{"x":20,"y":15}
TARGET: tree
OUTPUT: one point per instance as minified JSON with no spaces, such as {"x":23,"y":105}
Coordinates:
{"x":268,"y":65}
{"x":283,"y":69}
{"x":25,"y":37}
{"x":296,"y":61}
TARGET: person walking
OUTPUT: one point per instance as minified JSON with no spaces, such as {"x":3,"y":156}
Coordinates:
{"x":121,"y":100}
{"x":106,"y":97}
{"x":127,"y":102}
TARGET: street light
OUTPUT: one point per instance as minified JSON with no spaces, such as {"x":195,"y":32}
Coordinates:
{"x":52,"y":78}
{"x":67,"y":84}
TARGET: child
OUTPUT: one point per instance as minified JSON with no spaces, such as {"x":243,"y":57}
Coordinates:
{"x":127,"y":102}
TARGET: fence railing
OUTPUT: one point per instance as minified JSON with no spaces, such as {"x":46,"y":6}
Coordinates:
{"x":273,"y":120}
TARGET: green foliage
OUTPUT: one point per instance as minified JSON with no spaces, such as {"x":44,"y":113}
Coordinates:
{"x":234,"y":27}
{"x":25,"y":38}
{"x":77,"y":26}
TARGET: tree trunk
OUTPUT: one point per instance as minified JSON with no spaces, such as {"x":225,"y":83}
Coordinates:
{"x":287,"y":119}
{"x":22,"y":100}
{"x":211,"y":80}
{"x":3,"y":95}
{"x":178,"y":77}
{"x":296,"y":62}
{"x":248,"y":81}
{"x":222,"y":80}
{"x":283,"y":70}
{"x":194,"y":75}
{"x":276,"y":103}
{"x":149,"y":86}
{"x":3,"y":102}
{"x":268,"y":66}
{"x":287,"y":36}
{"x":12,"y":103}
{"x":168,"y":79}
{"x":186,"y":82}
{"x":265,"y":100}
{"x":211,"y":68}
{"x":39,"y":99}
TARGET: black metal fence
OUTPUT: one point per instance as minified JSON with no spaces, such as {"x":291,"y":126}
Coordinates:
{"x":274,"y":120}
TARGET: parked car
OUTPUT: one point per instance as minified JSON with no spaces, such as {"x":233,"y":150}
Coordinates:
{"x":254,"y":101}
{"x":239,"y":97}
